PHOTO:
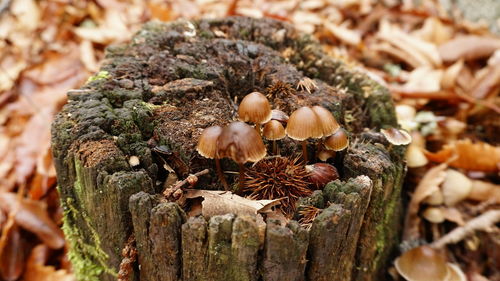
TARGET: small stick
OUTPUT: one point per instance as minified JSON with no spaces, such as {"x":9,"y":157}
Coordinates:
{"x":191,"y":180}
{"x":482,"y":222}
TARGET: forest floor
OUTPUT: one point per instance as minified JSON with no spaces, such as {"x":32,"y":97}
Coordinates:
{"x":442,"y":70}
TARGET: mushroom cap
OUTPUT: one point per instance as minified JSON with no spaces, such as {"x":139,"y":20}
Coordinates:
{"x":328,"y":122}
{"x":338,"y":141}
{"x":279,"y":115}
{"x":456,"y":187}
{"x":273,"y":130}
{"x":396,"y":137}
{"x":304,"y":124}
{"x":422,"y":264}
{"x":207,"y":143}
{"x":254,"y":108}
{"x":241,"y":143}
{"x":434,"y":214}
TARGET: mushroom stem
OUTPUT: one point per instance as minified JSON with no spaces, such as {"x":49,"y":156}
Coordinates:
{"x":221,"y":175}
{"x":275,"y":151}
{"x":257,"y":127}
{"x":241,"y":180}
{"x":304,"y":150}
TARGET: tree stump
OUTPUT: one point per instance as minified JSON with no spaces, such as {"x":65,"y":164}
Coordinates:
{"x":150,"y":102}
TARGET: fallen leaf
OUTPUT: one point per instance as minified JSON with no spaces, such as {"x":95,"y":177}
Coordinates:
{"x":423,"y":52}
{"x":469,"y":47}
{"x":478,"y":156}
{"x":424,"y":79}
{"x":32,"y":216}
{"x":224,"y":202}
{"x":346,"y":35}
{"x":487,"y":84}
{"x":12,"y":254}
{"x":434,"y":31}
{"x":450,"y":75}
{"x":36,"y":270}
{"x":429,"y":184}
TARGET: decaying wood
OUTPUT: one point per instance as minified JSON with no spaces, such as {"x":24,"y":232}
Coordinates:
{"x":155,"y":96}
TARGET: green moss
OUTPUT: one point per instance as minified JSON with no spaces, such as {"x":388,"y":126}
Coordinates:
{"x":99,"y":76}
{"x":88,"y":259}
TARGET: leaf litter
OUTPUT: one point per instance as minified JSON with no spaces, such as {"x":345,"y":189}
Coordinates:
{"x":430,"y":61}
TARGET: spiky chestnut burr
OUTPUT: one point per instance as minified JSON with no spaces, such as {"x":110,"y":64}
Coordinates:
{"x":278,"y":177}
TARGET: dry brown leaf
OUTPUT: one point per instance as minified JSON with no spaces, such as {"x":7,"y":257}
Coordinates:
{"x":478,"y":156}
{"x":429,"y":184}
{"x":224,"y":202}
{"x":12,"y":254}
{"x":36,"y":270}
{"x":485,"y":191}
{"x":32,"y":216}
{"x":424,"y":79}
{"x":423,"y":52}
{"x":469,"y":47}
{"x":346,"y":35}
{"x":434,"y":31}
{"x":450,"y":75}
{"x":486,"y":84}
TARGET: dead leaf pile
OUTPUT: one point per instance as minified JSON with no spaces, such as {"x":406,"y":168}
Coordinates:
{"x":442,"y":68}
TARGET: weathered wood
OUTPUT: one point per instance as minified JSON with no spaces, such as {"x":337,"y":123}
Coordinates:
{"x":381,"y":225}
{"x":162,"y":90}
{"x":244,"y":249}
{"x":194,"y":249}
{"x":328,"y":236}
{"x":157,"y":228}
{"x":219,"y":247}
{"x":336,"y":230}
{"x":285,"y":252}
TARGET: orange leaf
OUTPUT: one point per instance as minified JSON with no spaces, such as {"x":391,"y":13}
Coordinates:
{"x":32,"y":215}
{"x":478,"y":156}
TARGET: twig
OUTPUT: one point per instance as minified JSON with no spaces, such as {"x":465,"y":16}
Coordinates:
{"x":482,"y":222}
{"x":191,"y":180}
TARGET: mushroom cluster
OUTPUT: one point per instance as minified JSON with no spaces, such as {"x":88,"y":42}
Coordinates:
{"x":237,"y":141}
{"x":242,"y":143}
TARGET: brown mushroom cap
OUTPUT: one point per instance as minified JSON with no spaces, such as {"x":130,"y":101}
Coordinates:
{"x":241,"y":143}
{"x":207,"y":144}
{"x":422,"y":264}
{"x":396,"y":137}
{"x":254,"y":108}
{"x":273,"y":130}
{"x":304,"y":124}
{"x":279,"y":115}
{"x":338,"y":141}
{"x":328,"y":122}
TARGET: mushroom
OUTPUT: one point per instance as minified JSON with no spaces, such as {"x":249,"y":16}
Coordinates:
{"x":255,"y":108}
{"x":302,"y":125}
{"x":207,"y":147}
{"x":273,"y":130}
{"x":241,"y":143}
{"x":396,"y":137}
{"x":338,"y":141}
{"x":328,"y":123}
{"x":279,"y":115}
{"x":434,"y":214}
{"x":422,"y":264}
{"x":456,"y":187}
